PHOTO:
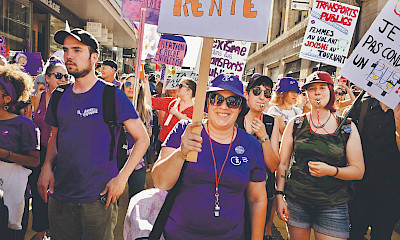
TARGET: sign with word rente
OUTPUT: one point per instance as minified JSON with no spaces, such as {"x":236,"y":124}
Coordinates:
{"x":375,"y":63}
{"x":171,"y":50}
{"x":130,"y":10}
{"x":176,"y":78}
{"x":329,"y":32}
{"x":245,"y":20}
{"x":228,"y":57}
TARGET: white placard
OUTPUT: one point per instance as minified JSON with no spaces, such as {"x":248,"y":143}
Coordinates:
{"x":94,"y":28}
{"x":245,"y":20}
{"x":228,"y":57}
{"x":174,"y":82}
{"x":375,"y":63}
{"x":193,"y":51}
{"x":104,"y":34}
{"x":329,"y":32}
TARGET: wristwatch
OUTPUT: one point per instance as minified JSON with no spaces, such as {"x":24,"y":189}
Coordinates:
{"x":265,"y":139}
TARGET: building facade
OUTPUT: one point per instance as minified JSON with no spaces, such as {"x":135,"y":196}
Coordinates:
{"x":279,"y":57}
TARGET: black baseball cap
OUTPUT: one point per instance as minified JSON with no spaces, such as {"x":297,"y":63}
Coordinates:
{"x":80,"y":35}
{"x":111,"y":63}
{"x":259,"y":80}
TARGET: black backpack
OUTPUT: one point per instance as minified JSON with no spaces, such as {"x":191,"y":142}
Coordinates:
{"x":109,"y":118}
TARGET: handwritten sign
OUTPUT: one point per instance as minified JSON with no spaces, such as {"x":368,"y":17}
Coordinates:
{"x":228,"y":57}
{"x":176,"y":78}
{"x":245,"y":20}
{"x":3,"y":48}
{"x":375,"y":63}
{"x":171,"y":50}
{"x":130,"y":10}
{"x":31,"y":62}
{"x":329,"y":32}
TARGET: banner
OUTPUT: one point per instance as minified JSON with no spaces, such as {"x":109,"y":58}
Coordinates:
{"x":176,"y":78}
{"x":31,"y":62}
{"x":329,"y":32}
{"x":171,"y":50}
{"x":375,"y":63}
{"x":130,"y":10}
{"x":228,"y":57}
{"x":3,"y":48}
{"x":245,"y":20}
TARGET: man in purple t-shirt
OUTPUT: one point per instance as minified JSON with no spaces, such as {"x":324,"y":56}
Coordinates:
{"x":80,"y":141}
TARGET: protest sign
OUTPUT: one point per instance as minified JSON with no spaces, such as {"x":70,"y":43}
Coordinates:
{"x":171,"y":50}
{"x":31,"y":62}
{"x":245,"y":20}
{"x":176,"y":78}
{"x":375,"y":63}
{"x":3,"y":47}
{"x":329,"y":32}
{"x":228,"y":57}
{"x":130,"y":10}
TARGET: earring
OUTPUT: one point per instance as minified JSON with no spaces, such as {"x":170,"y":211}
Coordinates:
{"x":6,"y":107}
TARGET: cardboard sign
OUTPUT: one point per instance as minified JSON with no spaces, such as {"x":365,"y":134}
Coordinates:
{"x":3,"y":48}
{"x":329,"y":32}
{"x":375,"y":63}
{"x":31,"y":62}
{"x":228,"y":57}
{"x":94,"y":28}
{"x":130,"y":10}
{"x":245,"y":20}
{"x":171,"y":50}
{"x":176,"y":78}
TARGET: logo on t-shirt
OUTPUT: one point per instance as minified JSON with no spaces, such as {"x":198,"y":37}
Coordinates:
{"x":87,"y":112}
{"x":237,"y":161}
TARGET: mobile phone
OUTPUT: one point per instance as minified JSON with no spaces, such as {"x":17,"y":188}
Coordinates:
{"x":103,"y":198}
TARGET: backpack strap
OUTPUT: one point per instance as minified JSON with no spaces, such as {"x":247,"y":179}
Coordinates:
{"x":345,"y":129}
{"x":56,"y":96}
{"x":298,"y":123}
{"x":109,"y":114}
{"x":363,"y":111}
{"x":269,"y":123}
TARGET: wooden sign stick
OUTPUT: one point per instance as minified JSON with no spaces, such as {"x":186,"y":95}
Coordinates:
{"x":202,"y":81}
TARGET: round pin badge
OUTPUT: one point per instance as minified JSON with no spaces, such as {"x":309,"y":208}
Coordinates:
{"x":297,"y":121}
{"x":239,"y":150}
{"x":347,"y":129}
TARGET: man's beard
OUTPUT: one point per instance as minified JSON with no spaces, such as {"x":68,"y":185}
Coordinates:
{"x":81,"y":73}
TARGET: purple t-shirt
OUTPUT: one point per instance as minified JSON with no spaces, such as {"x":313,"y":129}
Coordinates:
{"x":19,"y":135}
{"x":82,"y":167}
{"x":192,"y":215}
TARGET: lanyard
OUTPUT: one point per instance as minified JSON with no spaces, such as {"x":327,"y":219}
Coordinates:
{"x":218,"y":177}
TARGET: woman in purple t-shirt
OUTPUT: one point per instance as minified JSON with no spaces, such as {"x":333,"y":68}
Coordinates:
{"x":55,"y":74}
{"x":210,"y":201}
{"x":19,"y":146}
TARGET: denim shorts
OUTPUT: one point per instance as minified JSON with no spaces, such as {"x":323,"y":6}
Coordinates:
{"x":329,"y":220}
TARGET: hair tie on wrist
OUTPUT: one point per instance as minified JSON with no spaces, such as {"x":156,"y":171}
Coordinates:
{"x":337,"y":172}
{"x":9,"y":155}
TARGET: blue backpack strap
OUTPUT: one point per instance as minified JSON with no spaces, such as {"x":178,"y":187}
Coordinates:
{"x":109,"y":114}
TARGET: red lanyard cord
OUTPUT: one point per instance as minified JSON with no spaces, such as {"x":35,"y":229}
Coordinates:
{"x":313,"y":132}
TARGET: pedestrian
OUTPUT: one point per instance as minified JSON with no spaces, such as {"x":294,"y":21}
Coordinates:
{"x":19,"y":146}
{"x":55,"y":74}
{"x":210,"y":201}
{"x":341,"y":91}
{"x":266,"y":129}
{"x":84,"y":182}
{"x":316,"y":192}
{"x":376,"y":203}
{"x":108,"y":69}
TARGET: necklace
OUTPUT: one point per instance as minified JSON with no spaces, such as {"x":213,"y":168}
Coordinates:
{"x":320,"y":126}
{"x":218,"y":176}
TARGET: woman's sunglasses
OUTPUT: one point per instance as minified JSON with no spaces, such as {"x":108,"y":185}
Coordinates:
{"x":257,"y":91}
{"x":217,"y":99}
{"x":60,"y":75}
{"x":128,"y":84}
{"x":340,"y":93}
{"x":183,"y":85}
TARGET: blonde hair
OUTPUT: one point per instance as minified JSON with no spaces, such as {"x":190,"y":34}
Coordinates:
{"x":22,"y":82}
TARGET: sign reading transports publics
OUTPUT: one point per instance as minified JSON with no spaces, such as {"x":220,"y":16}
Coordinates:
{"x":244,"y":20}
{"x":174,"y":82}
{"x":375,"y":63}
{"x":228,"y":57}
{"x":329,"y":32}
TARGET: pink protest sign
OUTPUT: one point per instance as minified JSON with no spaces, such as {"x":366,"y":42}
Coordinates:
{"x":3,"y":46}
{"x":130,"y":10}
{"x":171,"y":52}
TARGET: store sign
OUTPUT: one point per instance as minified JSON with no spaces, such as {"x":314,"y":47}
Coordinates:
{"x":300,"y":5}
{"x":104,"y":34}
{"x":3,"y":48}
{"x":94,"y":28}
{"x":52,"y":5}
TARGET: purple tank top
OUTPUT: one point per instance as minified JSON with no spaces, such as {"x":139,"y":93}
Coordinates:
{"x":45,"y":129}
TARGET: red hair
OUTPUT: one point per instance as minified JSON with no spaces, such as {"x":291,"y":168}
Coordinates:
{"x":331,"y":104}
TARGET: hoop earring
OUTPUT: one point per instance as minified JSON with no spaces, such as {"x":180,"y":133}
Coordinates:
{"x":6,"y":107}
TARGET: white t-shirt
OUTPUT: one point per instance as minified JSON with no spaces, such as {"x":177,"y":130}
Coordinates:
{"x":287,"y":115}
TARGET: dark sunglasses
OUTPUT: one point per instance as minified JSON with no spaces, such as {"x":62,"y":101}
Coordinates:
{"x":304,"y":94}
{"x":217,"y":99}
{"x":128,"y":84}
{"x":183,"y":85}
{"x":340,"y":93}
{"x":60,"y":75}
{"x":257,"y":91}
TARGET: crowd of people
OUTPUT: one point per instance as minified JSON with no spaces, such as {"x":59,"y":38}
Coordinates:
{"x":264,"y":148}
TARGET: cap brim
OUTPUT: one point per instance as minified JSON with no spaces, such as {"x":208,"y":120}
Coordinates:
{"x":60,"y":36}
{"x":305,"y":86}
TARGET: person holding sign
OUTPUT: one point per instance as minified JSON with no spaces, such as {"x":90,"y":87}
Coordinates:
{"x":316,"y":190}
{"x":210,"y":203}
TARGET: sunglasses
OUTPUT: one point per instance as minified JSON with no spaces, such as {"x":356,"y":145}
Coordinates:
{"x":304,"y":94}
{"x":60,"y":76}
{"x":340,"y":93}
{"x":183,"y":85}
{"x":257,"y":91}
{"x":217,"y":99}
{"x":128,"y":84}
